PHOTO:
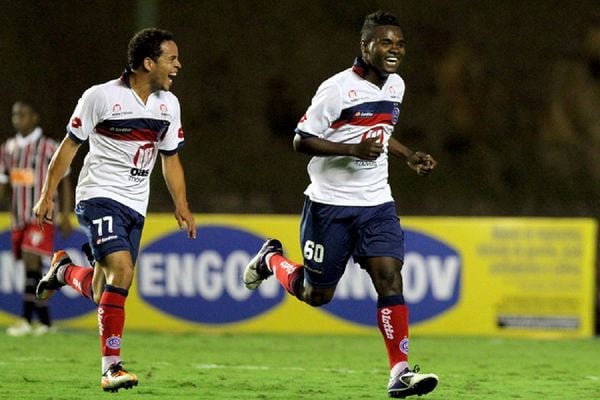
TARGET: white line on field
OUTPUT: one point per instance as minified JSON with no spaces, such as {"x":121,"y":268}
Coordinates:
{"x":267,"y":368}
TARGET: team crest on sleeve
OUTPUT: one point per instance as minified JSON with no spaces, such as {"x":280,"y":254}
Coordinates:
{"x":180,"y":133}
{"x":395,"y":115}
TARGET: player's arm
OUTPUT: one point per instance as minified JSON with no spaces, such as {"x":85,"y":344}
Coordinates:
{"x":369,"y":149}
{"x":418,"y":161}
{"x":65,"y":190}
{"x":61,"y":160}
{"x":175,"y":180}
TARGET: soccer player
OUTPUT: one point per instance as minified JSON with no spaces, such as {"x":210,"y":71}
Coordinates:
{"x":128,"y":122}
{"x":349,"y":209}
{"x":24,"y":160}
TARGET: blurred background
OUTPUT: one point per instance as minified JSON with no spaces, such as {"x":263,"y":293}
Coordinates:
{"x":505,"y":95}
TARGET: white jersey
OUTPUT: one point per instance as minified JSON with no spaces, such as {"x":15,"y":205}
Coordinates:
{"x":125,"y":136}
{"x":349,"y":109}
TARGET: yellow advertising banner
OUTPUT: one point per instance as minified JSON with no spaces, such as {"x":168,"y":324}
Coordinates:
{"x":462,"y":276}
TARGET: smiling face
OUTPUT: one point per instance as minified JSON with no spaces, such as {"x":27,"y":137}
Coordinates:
{"x":383,"y":52}
{"x":163,"y":70}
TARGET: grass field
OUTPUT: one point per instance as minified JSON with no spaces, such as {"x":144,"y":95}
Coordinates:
{"x":204,"y":366}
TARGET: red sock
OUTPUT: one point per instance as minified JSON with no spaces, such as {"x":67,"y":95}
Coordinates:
{"x":393,"y":324}
{"x":80,"y":279}
{"x":286,"y":271}
{"x":111,"y":319}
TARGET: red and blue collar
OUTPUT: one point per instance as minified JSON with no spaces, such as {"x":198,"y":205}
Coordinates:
{"x":360,"y":67}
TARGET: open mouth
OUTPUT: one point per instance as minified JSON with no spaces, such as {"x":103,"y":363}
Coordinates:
{"x":391,"y":61}
{"x":171,"y":77}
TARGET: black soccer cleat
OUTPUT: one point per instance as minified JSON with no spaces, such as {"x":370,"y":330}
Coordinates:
{"x":257,"y":271}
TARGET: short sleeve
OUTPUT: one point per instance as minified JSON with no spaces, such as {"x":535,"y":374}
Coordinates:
{"x":174,"y":138}
{"x":325,"y":108}
{"x":87,"y":114}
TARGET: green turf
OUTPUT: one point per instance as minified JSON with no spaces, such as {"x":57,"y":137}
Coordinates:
{"x":201,"y":366}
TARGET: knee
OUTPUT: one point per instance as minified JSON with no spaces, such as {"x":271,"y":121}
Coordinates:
{"x":388,"y":285}
{"x":318,"y":299}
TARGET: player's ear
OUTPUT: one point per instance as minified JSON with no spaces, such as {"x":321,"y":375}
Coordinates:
{"x":364,"y":47}
{"x":148,"y":62}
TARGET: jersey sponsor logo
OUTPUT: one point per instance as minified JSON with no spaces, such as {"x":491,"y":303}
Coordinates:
{"x":142,"y":160}
{"x":366,"y":114}
{"x":164,"y":110}
{"x":200,"y":280}
{"x":66,"y":303}
{"x":117,"y":111}
{"x":180,"y":133}
{"x":22,"y":177}
{"x":76,"y":122}
{"x":386,"y":322}
{"x":431,"y":277}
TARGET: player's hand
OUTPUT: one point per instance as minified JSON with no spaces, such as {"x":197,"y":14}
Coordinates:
{"x":43,"y":211}
{"x":185,"y":220}
{"x":369,"y":149}
{"x":422,"y":163}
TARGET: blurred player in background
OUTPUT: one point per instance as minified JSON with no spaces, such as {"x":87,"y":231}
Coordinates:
{"x":24,"y":160}
{"x":128,"y":122}
{"x":349,"y":209}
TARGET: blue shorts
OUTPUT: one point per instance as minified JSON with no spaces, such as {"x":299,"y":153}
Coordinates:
{"x":110,"y":226}
{"x":330,"y":235}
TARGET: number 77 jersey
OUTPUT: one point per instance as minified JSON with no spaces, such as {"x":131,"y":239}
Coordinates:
{"x":125,"y":137}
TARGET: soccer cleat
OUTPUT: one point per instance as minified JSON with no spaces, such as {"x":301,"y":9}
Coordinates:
{"x":21,"y":328}
{"x":50,"y":283}
{"x":43,"y":329}
{"x":410,"y":383}
{"x":116,"y":377}
{"x":257,"y":271}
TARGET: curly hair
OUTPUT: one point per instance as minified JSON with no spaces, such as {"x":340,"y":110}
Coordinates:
{"x":378,"y":18}
{"x":146,"y":43}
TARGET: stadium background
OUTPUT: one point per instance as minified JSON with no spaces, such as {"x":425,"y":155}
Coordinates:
{"x":477,"y":77}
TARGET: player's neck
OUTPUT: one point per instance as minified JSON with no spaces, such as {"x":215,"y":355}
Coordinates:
{"x":140,"y":86}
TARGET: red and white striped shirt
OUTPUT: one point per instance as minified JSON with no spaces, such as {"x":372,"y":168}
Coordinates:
{"x":24,"y":163}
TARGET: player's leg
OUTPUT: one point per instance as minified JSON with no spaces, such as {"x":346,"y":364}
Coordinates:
{"x":326,"y":247}
{"x":33,"y":272}
{"x":114,"y":232}
{"x":34,"y":243}
{"x":62,"y":272}
{"x":118,"y":269}
{"x":23,"y":325}
{"x":381,"y":250}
